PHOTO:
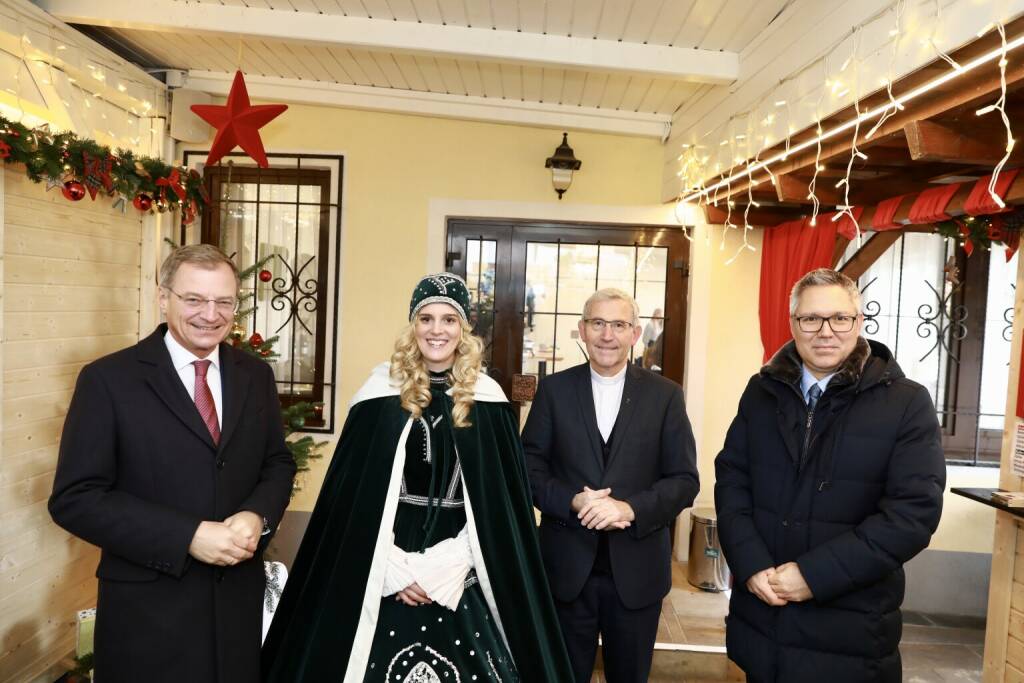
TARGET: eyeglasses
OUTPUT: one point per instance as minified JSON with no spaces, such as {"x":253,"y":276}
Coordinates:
{"x":196,"y":303}
{"x":598,"y":325}
{"x":840,"y":322}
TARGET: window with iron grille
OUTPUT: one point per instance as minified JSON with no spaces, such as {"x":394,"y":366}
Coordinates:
{"x":290,"y":213}
{"x":948,"y":319}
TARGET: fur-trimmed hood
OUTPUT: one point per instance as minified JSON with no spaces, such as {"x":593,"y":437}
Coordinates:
{"x":869,"y":363}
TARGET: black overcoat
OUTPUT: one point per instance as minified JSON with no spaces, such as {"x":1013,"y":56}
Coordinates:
{"x":652,"y":466}
{"x":137,"y":473}
{"x":849,"y":503}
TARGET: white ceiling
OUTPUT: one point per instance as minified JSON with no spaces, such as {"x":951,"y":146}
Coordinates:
{"x":620,"y":58}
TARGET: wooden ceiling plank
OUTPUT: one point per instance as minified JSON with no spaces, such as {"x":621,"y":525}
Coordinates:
{"x":403,"y":10}
{"x":370,"y":67}
{"x":478,"y":14}
{"x":327,"y":61}
{"x":531,"y":15}
{"x":593,"y":89}
{"x":585,"y":18}
{"x":533,"y":77}
{"x":672,"y":16}
{"x":352,"y":8}
{"x":457,"y":39}
{"x":755,"y":21}
{"x":730,"y":16}
{"x":614,"y":15}
{"x":551,"y":85}
{"x":428,"y":11}
{"x":470,"y":74}
{"x":659,"y":88}
{"x":760,"y":217}
{"x":348,"y":65}
{"x":614,"y":91}
{"x":395,"y":77}
{"x":490,"y":74}
{"x":451,"y":76}
{"x":791,"y":189}
{"x":505,"y":15}
{"x":572,"y":87}
{"x":431,"y":72}
{"x":511,"y":82}
{"x":642,"y":18}
{"x":412,"y":74}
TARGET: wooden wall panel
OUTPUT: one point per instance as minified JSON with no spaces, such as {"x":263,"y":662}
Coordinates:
{"x":70,"y":293}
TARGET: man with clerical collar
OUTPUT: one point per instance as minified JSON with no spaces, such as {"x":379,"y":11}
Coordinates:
{"x":831,"y":478}
{"x":612,"y":463}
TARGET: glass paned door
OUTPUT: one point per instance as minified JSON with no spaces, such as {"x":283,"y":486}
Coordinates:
{"x":530,"y":280}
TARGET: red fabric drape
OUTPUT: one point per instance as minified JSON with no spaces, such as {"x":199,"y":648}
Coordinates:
{"x":845,"y":225}
{"x":980,"y":203}
{"x":789,"y":251}
{"x":884,"y":214}
{"x":930,"y":205}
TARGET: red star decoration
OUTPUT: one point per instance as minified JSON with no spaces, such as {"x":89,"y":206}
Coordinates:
{"x":238,"y":123}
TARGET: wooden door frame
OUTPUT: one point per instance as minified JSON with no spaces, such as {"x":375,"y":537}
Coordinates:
{"x":677,"y":266}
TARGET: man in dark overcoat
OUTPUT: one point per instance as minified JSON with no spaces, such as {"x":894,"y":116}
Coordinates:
{"x":831,"y":479}
{"x":173,"y":462}
{"x":612,"y":463}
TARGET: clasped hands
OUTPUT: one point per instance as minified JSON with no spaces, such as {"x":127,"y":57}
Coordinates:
{"x":598,"y":510}
{"x":229,"y":542}
{"x":778,"y":586}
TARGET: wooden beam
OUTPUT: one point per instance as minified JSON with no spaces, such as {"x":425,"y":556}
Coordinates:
{"x":790,"y":188}
{"x":456,"y":42}
{"x":762,"y":217}
{"x":872,"y":249}
{"x":839,"y":249}
{"x":932,"y":141}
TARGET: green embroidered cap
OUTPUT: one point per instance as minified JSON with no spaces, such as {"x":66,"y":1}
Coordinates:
{"x":441,"y":288}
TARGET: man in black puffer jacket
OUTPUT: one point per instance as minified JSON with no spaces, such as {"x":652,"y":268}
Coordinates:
{"x":830,"y":479}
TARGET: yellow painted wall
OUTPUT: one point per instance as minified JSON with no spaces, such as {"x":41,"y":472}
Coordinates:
{"x":394,"y":165}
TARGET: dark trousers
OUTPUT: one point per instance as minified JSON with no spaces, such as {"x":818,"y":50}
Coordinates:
{"x":627,"y":635}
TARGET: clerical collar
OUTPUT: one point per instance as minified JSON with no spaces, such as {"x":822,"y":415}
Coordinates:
{"x":614,"y":379}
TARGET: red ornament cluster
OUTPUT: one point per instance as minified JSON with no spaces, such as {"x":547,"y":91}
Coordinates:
{"x":5,"y":150}
{"x":143,"y":202}
{"x":265,"y":275}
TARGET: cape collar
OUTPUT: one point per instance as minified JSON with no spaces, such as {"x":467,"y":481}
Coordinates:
{"x":786,"y":364}
{"x":380,"y":384}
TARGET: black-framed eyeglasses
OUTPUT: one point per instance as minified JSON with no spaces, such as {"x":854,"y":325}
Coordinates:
{"x":198,"y":303}
{"x":598,"y":325}
{"x":840,"y":322}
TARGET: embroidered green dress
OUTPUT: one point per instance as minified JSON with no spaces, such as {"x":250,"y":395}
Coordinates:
{"x":431,"y":643}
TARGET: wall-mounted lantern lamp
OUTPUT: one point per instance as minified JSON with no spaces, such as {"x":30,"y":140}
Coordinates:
{"x":562,"y":163}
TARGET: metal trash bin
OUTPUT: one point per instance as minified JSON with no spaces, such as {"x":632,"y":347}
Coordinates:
{"x":706,"y":568}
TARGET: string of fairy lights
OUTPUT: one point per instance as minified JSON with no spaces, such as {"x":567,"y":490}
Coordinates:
{"x":737,"y":156}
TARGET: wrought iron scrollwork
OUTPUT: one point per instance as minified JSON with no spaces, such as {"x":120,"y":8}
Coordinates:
{"x":871,"y":311}
{"x":293,"y":293}
{"x":1008,"y":319}
{"x":944,"y":321}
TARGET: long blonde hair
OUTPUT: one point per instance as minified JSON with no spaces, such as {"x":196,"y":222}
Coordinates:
{"x":409,"y":370}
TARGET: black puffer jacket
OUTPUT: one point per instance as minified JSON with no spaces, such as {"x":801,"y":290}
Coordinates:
{"x":849,"y":503}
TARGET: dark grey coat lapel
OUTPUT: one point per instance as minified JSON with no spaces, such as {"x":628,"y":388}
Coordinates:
{"x":234,"y":385}
{"x":630,"y":396}
{"x":164,"y":381}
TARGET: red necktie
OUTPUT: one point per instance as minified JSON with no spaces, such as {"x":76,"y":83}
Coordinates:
{"x":204,"y":399}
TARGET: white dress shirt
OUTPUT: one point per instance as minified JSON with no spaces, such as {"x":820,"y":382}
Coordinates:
{"x":607,"y":397}
{"x":181,"y":359}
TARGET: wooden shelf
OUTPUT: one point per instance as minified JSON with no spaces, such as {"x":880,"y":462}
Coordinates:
{"x":984,"y":496}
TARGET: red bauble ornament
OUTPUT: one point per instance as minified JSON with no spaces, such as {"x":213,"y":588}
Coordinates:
{"x":238,"y":123}
{"x":73,"y":190}
{"x":256,"y":340}
{"x":265,"y":275}
{"x":5,"y":150}
{"x":265,"y":353}
{"x":143,"y":202}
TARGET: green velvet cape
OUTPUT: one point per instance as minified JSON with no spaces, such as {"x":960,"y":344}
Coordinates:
{"x":328,"y":605}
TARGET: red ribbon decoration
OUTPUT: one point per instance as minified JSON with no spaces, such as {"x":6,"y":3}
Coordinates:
{"x":1012,"y":242}
{"x":173,"y":181}
{"x":930,"y":205}
{"x":980,"y":202}
{"x":966,"y":232}
{"x":885,"y":212}
{"x":5,"y":150}
{"x":96,"y":173}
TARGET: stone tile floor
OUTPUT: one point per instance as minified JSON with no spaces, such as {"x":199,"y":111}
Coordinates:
{"x":935,"y":648}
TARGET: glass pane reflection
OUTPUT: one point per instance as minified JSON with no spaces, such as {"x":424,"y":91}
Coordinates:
{"x":481,"y":258}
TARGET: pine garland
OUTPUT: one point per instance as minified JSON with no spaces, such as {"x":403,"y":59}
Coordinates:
{"x":982,"y":232}
{"x":64,"y":157}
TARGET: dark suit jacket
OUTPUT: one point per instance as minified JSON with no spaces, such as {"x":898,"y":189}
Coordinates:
{"x":137,"y":473}
{"x":652,"y":466}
